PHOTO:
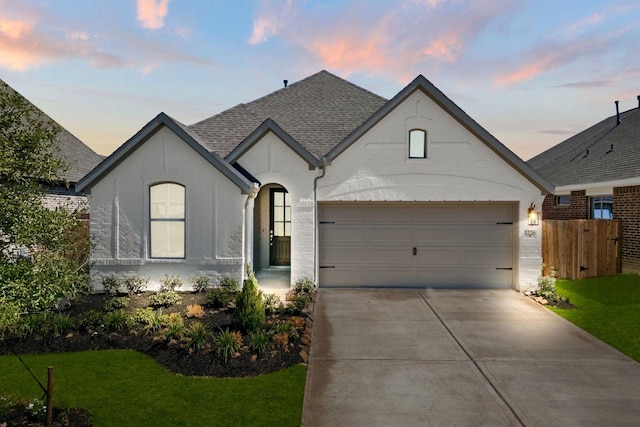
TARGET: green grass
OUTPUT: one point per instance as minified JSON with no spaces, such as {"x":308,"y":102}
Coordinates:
{"x":122,"y":387}
{"x":607,"y":307}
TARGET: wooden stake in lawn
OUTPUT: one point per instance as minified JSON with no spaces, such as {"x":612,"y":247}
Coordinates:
{"x":49,"y":396}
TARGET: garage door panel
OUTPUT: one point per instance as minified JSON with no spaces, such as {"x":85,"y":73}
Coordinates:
{"x":386,"y":213}
{"x":337,"y":234}
{"x":495,"y":257}
{"x":489,"y":234}
{"x":341,"y":255}
{"x":435,"y":235}
{"x":390,"y":233}
{"x":434,"y":256}
{"x":389,"y":256}
{"x":342,"y":213}
{"x":439,"y":214}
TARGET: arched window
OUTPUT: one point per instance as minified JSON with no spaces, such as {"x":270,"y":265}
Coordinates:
{"x":167,"y":220}
{"x":417,"y":144}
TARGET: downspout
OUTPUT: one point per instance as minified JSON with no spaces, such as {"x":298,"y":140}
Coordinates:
{"x":323,"y":166}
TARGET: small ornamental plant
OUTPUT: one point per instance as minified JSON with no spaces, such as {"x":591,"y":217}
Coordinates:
{"x":195,"y":310}
{"x":201,"y":283}
{"x":227,"y":344}
{"x":135,"y":284}
{"x":249,"y":312}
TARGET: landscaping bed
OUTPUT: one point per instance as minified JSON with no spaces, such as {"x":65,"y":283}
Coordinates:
{"x":174,"y":353}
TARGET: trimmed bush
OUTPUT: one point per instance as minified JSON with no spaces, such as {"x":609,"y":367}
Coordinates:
{"x":249,"y":312}
{"x":201,"y":283}
{"x":135,"y":284}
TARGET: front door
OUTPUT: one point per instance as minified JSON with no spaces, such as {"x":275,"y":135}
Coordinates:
{"x":280,"y":228}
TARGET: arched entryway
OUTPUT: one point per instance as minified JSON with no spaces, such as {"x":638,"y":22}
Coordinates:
{"x":272,"y":234}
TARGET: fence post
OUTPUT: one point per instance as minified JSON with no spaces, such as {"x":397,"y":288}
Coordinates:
{"x":49,"y":396}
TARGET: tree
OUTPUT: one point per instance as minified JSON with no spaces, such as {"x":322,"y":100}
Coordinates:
{"x":41,"y":258}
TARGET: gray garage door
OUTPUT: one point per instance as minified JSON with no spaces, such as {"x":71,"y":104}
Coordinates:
{"x":416,"y":245}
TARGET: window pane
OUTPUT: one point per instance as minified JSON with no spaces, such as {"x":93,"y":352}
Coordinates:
{"x":278,"y":229}
{"x":417,"y":144}
{"x":167,"y":239}
{"x":167,"y":201}
{"x":287,"y":214}
{"x":278,"y":214}
{"x":278,"y":198}
{"x":287,"y":229}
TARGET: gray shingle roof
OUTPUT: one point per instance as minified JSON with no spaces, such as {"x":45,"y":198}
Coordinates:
{"x":318,"y":112}
{"x":80,"y":158}
{"x":588,"y":157}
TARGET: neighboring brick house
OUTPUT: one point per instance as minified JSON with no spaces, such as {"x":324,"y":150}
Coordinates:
{"x":80,"y":158}
{"x":597,"y":176}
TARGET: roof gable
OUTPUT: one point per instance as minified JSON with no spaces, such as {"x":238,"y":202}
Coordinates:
{"x":317,"y":112}
{"x":424,"y":85}
{"x":271,"y":126}
{"x":147,"y":132}
{"x":604,"y":152}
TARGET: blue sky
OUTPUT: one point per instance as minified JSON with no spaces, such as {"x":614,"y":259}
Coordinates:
{"x":532,"y":72}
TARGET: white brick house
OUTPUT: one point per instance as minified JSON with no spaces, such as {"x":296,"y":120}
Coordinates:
{"x":328,"y":179}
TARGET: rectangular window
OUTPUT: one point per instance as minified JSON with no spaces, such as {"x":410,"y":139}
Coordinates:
{"x":563,"y":200}
{"x":417,"y":144}
{"x":602,"y":207}
{"x":281,"y":216}
{"x":167,"y":220}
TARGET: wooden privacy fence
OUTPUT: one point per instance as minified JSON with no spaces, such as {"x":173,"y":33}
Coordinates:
{"x":582,"y":248}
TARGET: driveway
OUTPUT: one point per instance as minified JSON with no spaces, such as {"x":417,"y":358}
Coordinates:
{"x":460,"y":358}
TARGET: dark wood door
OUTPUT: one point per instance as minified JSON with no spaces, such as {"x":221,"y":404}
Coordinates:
{"x":280,"y":229}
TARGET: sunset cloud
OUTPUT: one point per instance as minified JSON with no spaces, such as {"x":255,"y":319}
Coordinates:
{"x":151,"y":13}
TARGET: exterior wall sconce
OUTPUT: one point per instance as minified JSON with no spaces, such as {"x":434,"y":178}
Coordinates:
{"x":533,"y":217}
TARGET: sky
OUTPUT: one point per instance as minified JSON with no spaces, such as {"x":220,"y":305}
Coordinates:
{"x":531,"y":72}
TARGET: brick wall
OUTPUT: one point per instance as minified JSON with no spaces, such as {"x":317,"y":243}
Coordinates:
{"x":578,"y":209}
{"x":626,"y":207}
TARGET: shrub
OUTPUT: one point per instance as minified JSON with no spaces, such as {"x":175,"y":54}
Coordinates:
{"x":143,"y":315}
{"x":117,"y":320}
{"x":61,"y":323}
{"x":111,"y":284}
{"x":170,"y":283}
{"x":297,"y":322}
{"x":271,"y":303}
{"x":156,"y":321}
{"x":281,"y":339}
{"x":115,"y":303}
{"x":135,"y":284}
{"x":229,"y":284}
{"x":197,"y":336}
{"x":175,"y":327}
{"x":33,"y":323}
{"x":164,"y":298}
{"x":89,"y":320}
{"x":258,"y":341}
{"x":195,"y":310}
{"x":300,"y":302}
{"x":249,"y":312}
{"x":303,"y":286}
{"x":219,"y":298}
{"x":227,"y":344}
{"x":201,"y":283}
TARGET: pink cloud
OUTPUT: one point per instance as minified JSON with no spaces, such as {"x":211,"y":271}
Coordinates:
{"x":151,"y":13}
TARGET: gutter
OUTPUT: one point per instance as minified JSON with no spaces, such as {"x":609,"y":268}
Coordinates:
{"x":323,"y":165}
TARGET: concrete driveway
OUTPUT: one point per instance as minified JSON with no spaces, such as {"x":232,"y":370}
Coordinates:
{"x":460,"y":358}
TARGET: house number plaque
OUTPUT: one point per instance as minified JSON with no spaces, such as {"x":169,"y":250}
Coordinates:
{"x":531,"y":234}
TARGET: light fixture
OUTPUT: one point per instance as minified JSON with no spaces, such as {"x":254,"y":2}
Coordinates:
{"x":533,"y":215}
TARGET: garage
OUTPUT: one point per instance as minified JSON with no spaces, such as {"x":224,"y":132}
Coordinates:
{"x":440,"y":245}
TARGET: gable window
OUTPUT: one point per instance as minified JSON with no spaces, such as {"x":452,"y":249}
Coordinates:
{"x":417,"y":144}
{"x":166,"y":220}
{"x":601,"y":207}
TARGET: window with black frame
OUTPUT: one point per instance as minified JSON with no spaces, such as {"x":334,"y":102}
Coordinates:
{"x":601,"y":207}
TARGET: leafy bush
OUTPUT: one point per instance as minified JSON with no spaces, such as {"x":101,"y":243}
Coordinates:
{"x":115,"y":303}
{"x":175,"y":327}
{"x":258,"y":341}
{"x":271,"y":303}
{"x":219,"y":298}
{"x":135,"y":284}
{"x":143,"y":315}
{"x":304,"y":286}
{"x":170,"y":283}
{"x":156,"y":321}
{"x":281,"y":339}
{"x":201,"y":283}
{"x":300,"y":302}
{"x":33,"y":323}
{"x":111,"y":285}
{"x":229,"y":284}
{"x":195,"y":310}
{"x":249,"y":312}
{"x":197,"y":336}
{"x":227,"y":344}
{"x":298,"y":322}
{"x":117,"y":320}
{"x":89,"y":320}
{"x":164,"y":298}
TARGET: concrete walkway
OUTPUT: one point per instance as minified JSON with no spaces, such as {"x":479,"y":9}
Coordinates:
{"x":460,"y":358}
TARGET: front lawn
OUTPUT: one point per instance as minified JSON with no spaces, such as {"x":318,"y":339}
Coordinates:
{"x":122,"y":387}
{"x":607,"y":307}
